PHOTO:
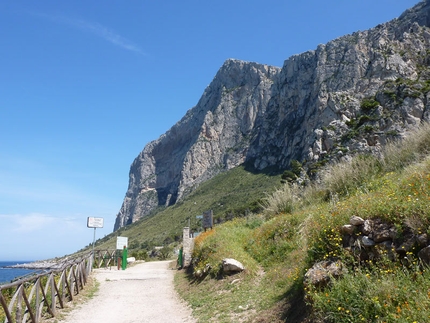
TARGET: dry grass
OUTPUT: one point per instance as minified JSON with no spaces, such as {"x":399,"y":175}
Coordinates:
{"x":410,"y":150}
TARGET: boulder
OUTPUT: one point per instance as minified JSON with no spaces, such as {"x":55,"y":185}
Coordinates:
{"x":382,"y":232}
{"x":231,"y":266}
{"x":406,"y":246}
{"x":422,"y":240}
{"x":322,"y":272}
{"x":356,"y":220}
{"x":348,"y":229}
{"x":424,"y":255}
{"x":366,"y":229}
{"x":367,"y":242}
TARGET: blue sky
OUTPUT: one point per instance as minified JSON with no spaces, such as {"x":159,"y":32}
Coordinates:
{"x":85,"y":85}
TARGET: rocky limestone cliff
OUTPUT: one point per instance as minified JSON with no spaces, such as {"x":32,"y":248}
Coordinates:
{"x":350,"y":95}
{"x":212,"y":137}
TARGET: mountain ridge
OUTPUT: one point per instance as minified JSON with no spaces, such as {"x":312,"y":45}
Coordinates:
{"x":353,"y":94}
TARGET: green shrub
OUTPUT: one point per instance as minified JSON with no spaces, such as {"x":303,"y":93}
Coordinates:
{"x":165,"y":253}
{"x":296,"y":167}
{"x":369,"y":104}
{"x":288,"y":176}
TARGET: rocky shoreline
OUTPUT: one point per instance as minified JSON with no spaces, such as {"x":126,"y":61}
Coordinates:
{"x":39,"y":265}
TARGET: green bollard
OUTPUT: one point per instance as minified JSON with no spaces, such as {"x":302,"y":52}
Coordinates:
{"x":180,"y":260}
{"x":124,"y":258}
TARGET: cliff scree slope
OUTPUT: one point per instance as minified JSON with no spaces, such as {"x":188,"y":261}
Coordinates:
{"x":351,"y":95}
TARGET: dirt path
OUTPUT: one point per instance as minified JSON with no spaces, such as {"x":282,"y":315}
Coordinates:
{"x":141,"y":293}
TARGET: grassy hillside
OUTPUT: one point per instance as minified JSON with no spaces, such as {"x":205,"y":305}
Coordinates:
{"x":301,"y":226}
{"x":231,"y":194}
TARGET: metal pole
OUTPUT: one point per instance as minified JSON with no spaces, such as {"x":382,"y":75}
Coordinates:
{"x":94,"y":242}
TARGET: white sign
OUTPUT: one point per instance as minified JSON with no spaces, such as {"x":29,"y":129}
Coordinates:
{"x":121,"y":242}
{"x":94,"y":222}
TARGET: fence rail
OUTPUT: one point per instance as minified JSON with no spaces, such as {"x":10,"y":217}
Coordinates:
{"x":31,"y":298}
{"x":105,"y":258}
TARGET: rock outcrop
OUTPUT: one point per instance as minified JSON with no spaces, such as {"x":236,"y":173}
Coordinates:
{"x":212,"y":137}
{"x":353,"y":94}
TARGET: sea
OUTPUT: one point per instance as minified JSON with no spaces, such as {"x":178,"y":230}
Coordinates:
{"x":9,"y":274}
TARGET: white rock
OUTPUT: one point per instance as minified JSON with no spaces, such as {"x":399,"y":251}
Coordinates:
{"x":230,"y":265}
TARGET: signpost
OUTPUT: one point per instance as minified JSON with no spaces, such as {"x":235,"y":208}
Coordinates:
{"x":94,"y":223}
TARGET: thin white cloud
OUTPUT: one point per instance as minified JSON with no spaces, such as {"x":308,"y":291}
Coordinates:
{"x":96,"y":29}
{"x":36,"y":222}
{"x":107,"y":34}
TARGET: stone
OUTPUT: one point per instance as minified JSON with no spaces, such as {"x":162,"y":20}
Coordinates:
{"x":356,"y":220}
{"x":406,"y":246}
{"x":424,"y":255}
{"x":367,"y":242}
{"x":322,"y":272}
{"x":366,"y":229}
{"x":382,"y":232}
{"x":422,"y":240}
{"x":348,"y":229}
{"x":231,"y":266}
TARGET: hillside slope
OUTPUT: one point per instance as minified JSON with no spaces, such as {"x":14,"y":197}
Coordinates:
{"x":233,"y":193}
{"x":353,"y":248}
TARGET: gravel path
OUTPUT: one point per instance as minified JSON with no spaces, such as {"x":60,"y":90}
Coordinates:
{"x":141,"y":293}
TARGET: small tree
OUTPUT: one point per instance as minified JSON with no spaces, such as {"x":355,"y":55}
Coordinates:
{"x":293,"y":173}
{"x":164,"y":253}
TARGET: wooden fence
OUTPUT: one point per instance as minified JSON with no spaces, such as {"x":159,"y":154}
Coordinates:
{"x":33,"y":297}
{"x":105,"y":258}
{"x":41,"y":295}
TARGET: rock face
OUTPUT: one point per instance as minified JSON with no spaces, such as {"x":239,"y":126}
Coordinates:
{"x":353,"y":94}
{"x":212,"y":137}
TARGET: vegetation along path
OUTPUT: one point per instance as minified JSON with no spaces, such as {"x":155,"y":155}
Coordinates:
{"x":141,"y":293}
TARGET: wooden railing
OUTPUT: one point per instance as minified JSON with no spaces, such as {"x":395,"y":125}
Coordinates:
{"x":105,"y":258}
{"x":41,"y":295}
